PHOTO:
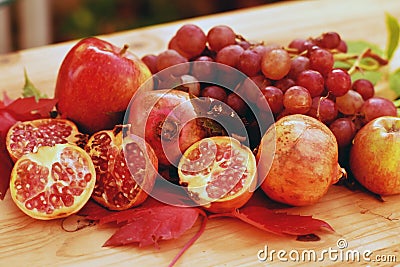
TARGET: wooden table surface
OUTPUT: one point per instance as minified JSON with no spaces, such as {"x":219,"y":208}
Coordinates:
{"x":364,"y":222}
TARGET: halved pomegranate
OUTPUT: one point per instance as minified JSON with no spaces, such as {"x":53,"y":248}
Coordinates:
{"x":126,"y":168}
{"x":54,"y":182}
{"x":28,"y":136}
{"x":219,"y":173}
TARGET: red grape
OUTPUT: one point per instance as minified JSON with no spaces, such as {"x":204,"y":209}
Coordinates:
{"x":229,"y":55}
{"x":375,"y":107}
{"x":321,"y":60}
{"x":297,"y":100}
{"x":349,"y":103}
{"x":249,"y":63}
{"x":275,"y":64}
{"x":312,"y":80}
{"x":220,"y":36}
{"x":170,"y":58}
{"x":364,"y":87}
{"x":298,"y":64}
{"x":300,"y":44}
{"x":284,"y":84}
{"x":329,"y":40}
{"x":237,"y":104}
{"x":151,"y":62}
{"x":191,"y":39}
{"x":323,"y":109}
{"x":249,"y":89}
{"x":274,"y":98}
{"x":342,"y":47}
{"x":215,"y":92}
{"x":173,"y":44}
{"x":338,"y":82}
{"x":202,"y":69}
{"x":344,"y":130}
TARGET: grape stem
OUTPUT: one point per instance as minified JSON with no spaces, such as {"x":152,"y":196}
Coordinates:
{"x":358,"y":64}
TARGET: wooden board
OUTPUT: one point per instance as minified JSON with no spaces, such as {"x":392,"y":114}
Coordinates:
{"x":364,"y":222}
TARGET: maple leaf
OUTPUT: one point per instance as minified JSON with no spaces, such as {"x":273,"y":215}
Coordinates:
{"x":21,"y":109}
{"x":278,"y":222}
{"x":148,"y":223}
{"x":148,"y":226}
{"x":264,"y":214}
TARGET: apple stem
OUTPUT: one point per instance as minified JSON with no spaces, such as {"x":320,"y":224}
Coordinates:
{"x":124,"y":49}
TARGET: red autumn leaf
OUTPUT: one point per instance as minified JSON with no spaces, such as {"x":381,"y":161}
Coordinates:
{"x":93,"y":211}
{"x":154,"y":224}
{"x":146,"y":224}
{"x":6,"y":121}
{"x":21,"y":109}
{"x":280,"y":223}
{"x":264,"y":214}
{"x":149,"y":225}
{"x":6,"y":100}
{"x":29,"y":108}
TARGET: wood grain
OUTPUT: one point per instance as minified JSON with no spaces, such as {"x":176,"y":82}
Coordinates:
{"x":357,"y":217}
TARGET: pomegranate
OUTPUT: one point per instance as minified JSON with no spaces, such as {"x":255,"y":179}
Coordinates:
{"x":28,"y":136}
{"x":54,"y":182}
{"x":219,"y":173}
{"x":305,"y":162}
{"x":126,"y":168}
{"x":168,"y":122}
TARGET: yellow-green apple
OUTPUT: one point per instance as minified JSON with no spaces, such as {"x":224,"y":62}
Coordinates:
{"x":375,"y":155}
{"x":95,"y":83}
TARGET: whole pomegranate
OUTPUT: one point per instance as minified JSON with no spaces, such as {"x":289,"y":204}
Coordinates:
{"x":305,"y":162}
{"x":95,"y":83}
{"x":167,"y":120}
{"x":126,"y":168}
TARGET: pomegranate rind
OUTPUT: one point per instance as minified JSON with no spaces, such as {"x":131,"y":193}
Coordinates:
{"x":305,"y":162}
{"x":198,"y":182}
{"x":27,"y":136}
{"x":147,"y":112}
{"x":109,"y":150}
{"x":74,"y":181}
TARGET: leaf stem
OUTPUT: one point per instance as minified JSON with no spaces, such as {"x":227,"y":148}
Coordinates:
{"x":192,"y":240}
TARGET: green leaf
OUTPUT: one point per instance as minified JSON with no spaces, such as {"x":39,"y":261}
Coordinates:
{"x":30,"y":90}
{"x":394,"y":81}
{"x":357,"y":47}
{"x":393,"y":29}
{"x":372,"y":76}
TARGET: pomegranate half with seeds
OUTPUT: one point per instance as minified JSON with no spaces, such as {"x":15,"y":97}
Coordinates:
{"x":126,"y":168}
{"x":27,"y":136}
{"x":219,"y":173}
{"x":54,"y":182}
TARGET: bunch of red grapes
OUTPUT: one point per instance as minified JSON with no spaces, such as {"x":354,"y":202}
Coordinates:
{"x":298,"y":79}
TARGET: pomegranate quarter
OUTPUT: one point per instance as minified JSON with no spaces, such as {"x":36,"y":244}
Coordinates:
{"x":305,"y":162}
{"x":219,"y":173}
{"x":126,"y":168}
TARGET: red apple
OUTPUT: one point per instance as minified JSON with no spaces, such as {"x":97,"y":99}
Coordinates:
{"x":375,"y":155}
{"x":95,"y":83}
